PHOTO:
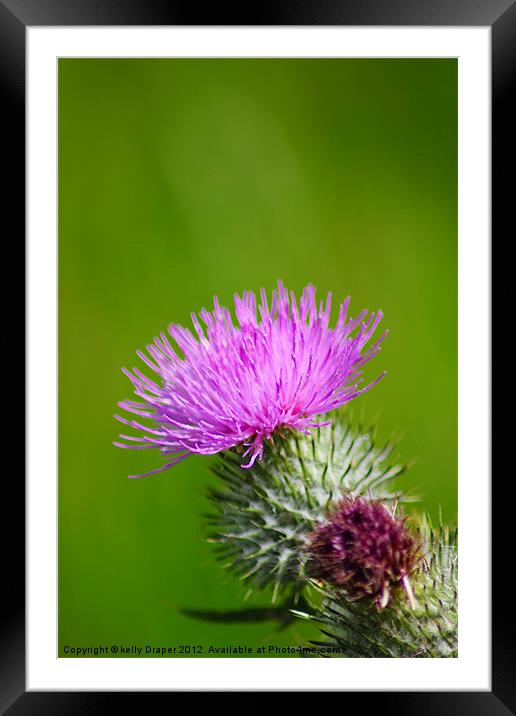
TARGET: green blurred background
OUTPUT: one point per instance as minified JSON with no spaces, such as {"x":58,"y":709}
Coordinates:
{"x":184,"y":178}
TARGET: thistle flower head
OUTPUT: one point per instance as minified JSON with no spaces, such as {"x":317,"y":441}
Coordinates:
{"x":365,"y":549}
{"x":239,"y":384}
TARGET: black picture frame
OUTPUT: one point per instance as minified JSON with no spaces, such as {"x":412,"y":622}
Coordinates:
{"x":15,"y":17}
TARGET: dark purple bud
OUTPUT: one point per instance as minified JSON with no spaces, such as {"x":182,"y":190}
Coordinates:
{"x":363,"y":548}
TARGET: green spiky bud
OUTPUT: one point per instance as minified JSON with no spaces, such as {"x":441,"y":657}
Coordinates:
{"x":264,"y":514}
{"x":424,"y":627}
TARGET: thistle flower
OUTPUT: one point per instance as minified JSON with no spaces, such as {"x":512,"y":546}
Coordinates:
{"x":365,"y":549}
{"x":240,"y":385}
{"x":426,"y":629}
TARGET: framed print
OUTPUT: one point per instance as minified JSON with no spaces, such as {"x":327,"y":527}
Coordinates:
{"x":209,"y":208}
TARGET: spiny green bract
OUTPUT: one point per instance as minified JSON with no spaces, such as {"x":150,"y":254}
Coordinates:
{"x":264,"y":514}
{"x":359,"y":629}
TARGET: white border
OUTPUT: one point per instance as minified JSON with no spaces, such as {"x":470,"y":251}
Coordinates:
{"x":471,"y":670}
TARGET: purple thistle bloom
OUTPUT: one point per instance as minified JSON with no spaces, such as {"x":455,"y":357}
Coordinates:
{"x":240,"y":384}
{"x":364,"y":549}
